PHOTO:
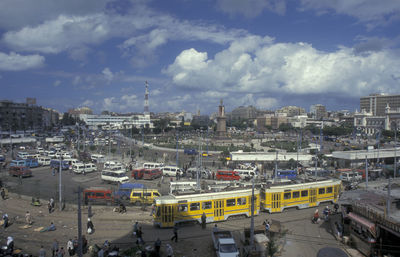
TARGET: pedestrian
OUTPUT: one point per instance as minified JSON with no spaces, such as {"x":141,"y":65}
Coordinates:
{"x":53,"y":172}
{"x":90,"y":214}
{"x":339,"y":229}
{"x":267,"y":227}
{"x":28,"y":218}
{"x":203,"y":220}
{"x":90,"y":227}
{"x":153,"y":209}
{"x":170,"y":252}
{"x":70,"y":247}
{"x":75,"y":244}
{"x":42,"y":252}
{"x":5,"y":220}
{"x":157,"y":246}
{"x":61,"y":252}
{"x":54,"y":248}
{"x":52,"y":227}
{"x":84,"y":244}
{"x":139,"y":235}
{"x":215,"y":228}
{"x":3,"y":194}
{"x":175,"y":230}
{"x":100,"y":253}
{"x":135,"y":228}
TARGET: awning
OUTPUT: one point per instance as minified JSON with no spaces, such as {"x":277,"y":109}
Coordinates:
{"x":363,"y":221}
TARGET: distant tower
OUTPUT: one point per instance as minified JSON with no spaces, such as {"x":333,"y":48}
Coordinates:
{"x":221,"y":121}
{"x":146,"y":100}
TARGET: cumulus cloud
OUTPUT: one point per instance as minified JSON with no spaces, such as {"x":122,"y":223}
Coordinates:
{"x":251,"y":8}
{"x":266,"y":102}
{"x":108,"y":75}
{"x":126,"y":103}
{"x":57,"y":83}
{"x":263,"y":67}
{"x":17,"y":62}
{"x":87,"y":103}
{"x":371,"y":12}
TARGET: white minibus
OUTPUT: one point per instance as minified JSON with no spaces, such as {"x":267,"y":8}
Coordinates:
{"x":114,"y":176}
{"x":170,"y":171}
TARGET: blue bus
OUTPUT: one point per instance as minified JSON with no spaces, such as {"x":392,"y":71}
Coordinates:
{"x":288,"y":174}
{"x":30,"y":163}
{"x":55,"y":164}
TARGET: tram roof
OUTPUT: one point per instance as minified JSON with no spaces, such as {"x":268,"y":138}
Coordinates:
{"x":296,"y":184}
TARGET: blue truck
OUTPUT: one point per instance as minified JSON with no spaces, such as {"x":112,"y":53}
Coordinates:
{"x":124,"y":190}
{"x":30,"y":163}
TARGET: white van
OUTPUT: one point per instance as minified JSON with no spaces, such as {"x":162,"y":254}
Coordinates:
{"x":71,"y":162}
{"x":78,"y":168}
{"x":170,"y":171}
{"x":109,"y":164}
{"x":114,"y":175}
{"x":246,"y":174}
{"x":97,"y":158}
{"x":90,"y":167}
{"x":152,"y":165}
{"x":350,"y":176}
{"x":44,"y":161}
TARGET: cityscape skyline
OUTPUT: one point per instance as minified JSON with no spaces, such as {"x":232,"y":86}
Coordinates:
{"x":267,"y":54}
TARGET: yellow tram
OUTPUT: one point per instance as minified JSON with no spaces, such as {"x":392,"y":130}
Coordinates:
{"x":276,"y":198}
{"x":219,"y":206}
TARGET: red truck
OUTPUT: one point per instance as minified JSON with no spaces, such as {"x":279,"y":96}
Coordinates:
{"x":152,"y":174}
{"x":20,"y":171}
{"x":227,"y":175}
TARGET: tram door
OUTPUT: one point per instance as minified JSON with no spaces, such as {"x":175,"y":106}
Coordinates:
{"x":276,"y":202}
{"x":219,"y":210}
{"x":313,"y":197}
{"x":335,"y":193}
{"x":167,"y":215}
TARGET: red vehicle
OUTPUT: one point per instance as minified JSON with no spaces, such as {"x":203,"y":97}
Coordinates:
{"x":138,"y":173}
{"x":98,"y":195}
{"x":20,"y":171}
{"x":227,"y":175}
{"x":152,"y":174}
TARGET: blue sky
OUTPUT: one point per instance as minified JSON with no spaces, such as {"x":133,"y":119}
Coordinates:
{"x":265,"y":53}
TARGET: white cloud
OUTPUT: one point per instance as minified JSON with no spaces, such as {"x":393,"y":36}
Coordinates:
{"x":17,"y":62}
{"x":264,"y":68}
{"x":87,"y":103}
{"x":251,"y":8}
{"x":57,"y":83}
{"x":109,"y":103}
{"x":108,"y":75}
{"x":369,"y":11}
{"x":126,"y":103}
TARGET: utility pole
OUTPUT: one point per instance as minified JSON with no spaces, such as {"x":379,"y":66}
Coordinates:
{"x":395,"y":145}
{"x":366,"y":172}
{"x":276,"y":167}
{"x":79,"y":223}
{"x":177,"y":153}
{"x":130,"y":145}
{"x":388,"y":202}
{"x":198,"y":167}
{"x":252,"y":216}
{"x":60,"y":184}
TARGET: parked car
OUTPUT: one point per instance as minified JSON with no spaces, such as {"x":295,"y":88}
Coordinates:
{"x":138,"y":173}
{"x":152,"y":174}
{"x":227,"y":175}
{"x":20,"y":171}
{"x":143,"y":196}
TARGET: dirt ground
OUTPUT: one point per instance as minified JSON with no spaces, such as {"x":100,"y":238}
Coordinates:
{"x":109,"y":225}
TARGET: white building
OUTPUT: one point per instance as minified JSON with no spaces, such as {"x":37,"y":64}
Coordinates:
{"x":116,"y":122}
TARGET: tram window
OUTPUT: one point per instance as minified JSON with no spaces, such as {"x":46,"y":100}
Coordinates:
{"x":321,"y":191}
{"x":287,"y":196}
{"x":329,"y":190}
{"x":158,"y":213}
{"x":304,"y":193}
{"x":230,"y":202}
{"x":207,"y":205}
{"x":182,"y":207}
{"x":241,"y":201}
{"x":296,"y":194}
{"x":195,"y":206}
{"x":137,"y":194}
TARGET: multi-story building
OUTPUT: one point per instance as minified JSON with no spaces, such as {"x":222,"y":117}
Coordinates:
{"x":370,"y":124}
{"x":376,"y":103}
{"x":244,"y":113}
{"x":81,"y":110}
{"x":292,"y":111}
{"x":318,"y":111}
{"x":138,"y":120}
{"x":24,"y":116}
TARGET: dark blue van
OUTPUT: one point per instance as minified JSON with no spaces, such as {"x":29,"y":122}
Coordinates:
{"x":124,"y":190}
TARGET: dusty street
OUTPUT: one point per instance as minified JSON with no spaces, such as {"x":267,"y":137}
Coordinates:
{"x":302,"y":238}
